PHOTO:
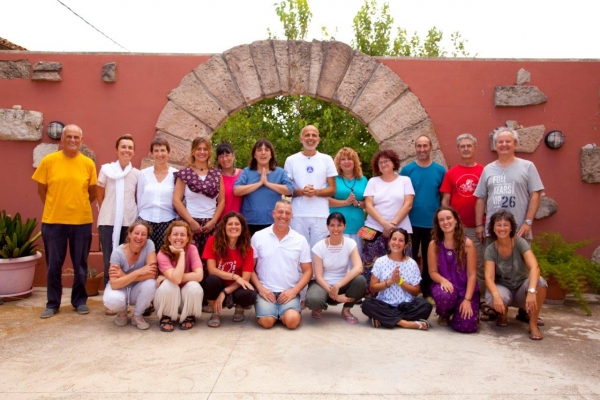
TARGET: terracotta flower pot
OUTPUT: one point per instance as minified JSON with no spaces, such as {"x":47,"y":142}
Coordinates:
{"x":555,"y":294}
{"x":92,"y":285}
{"x":16,"y":275}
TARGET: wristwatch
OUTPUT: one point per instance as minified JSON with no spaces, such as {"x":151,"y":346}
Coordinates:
{"x":528,"y":222}
{"x":532,"y":290}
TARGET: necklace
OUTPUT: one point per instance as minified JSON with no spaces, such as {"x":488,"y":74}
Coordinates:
{"x":227,"y":173}
{"x":349,"y":187}
{"x":198,"y":168}
{"x":135,"y":253}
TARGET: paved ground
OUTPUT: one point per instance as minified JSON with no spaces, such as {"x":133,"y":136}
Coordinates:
{"x":71,"y":357}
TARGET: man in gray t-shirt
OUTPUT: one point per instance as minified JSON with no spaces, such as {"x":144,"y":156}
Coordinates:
{"x":509,"y":183}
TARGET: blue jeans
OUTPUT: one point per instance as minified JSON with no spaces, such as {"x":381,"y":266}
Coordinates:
{"x":265,"y":309}
{"x":55,"y":238}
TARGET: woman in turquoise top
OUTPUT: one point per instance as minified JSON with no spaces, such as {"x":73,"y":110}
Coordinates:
{"x":349,"y":189}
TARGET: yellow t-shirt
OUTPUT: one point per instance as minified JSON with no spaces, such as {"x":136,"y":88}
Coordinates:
{"x":68,"y":180}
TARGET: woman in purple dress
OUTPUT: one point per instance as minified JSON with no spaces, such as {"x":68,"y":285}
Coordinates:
{"x":453,"y":270}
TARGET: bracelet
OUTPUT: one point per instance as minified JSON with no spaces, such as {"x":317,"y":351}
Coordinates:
{"x":401,"y":281}
{"x":224,"y":292}
{"x":233,"y":276}
{"x":469,"y":300}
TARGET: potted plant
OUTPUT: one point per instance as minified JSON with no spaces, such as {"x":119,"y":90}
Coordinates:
{"x":18,"y":255}
{"x":92,"y":283}
{"x":559,"y":263}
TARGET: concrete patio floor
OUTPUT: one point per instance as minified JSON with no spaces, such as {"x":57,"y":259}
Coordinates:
{"x":71,"y":356}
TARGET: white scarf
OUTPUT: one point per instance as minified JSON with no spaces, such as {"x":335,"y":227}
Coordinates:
{"x":114,"y":171}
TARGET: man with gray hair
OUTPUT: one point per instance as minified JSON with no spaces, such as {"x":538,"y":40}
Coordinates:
{"x":457,"y":191}
{"x":509,"y":183}
{"x":67,"y":186}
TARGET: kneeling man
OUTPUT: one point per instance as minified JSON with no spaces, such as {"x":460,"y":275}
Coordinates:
{"x":278,"y":250}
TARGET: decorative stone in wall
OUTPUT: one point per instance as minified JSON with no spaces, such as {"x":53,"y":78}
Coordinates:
{"x":41,"y":151}
{"x":590,"y":165}
{"x":86,"y":151}
{"x":523,"y":77}
{"x":518,"y":96}
{"x":21,"y":125}
{"x":596,"y":255}
{"x":529,"y":138}
{"x":109,"y":72}
{"x":330,"y":71}
{"x":47,"y":71}
{"x":547,"y":207}
{"x":17,"y":69}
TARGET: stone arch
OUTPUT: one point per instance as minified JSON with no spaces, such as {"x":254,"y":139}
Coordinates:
{"x":330,"y":71}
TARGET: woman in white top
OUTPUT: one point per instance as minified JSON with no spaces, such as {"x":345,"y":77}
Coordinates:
{"x":116,"y":200}
{"x":155,"y":191}
{"x":202,"y":187}
{"x":334,"y":281}
{"x":388,"y":199}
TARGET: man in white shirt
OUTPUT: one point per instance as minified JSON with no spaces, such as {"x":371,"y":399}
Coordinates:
{"x":278,"y":250}
{"x":313,"y":175}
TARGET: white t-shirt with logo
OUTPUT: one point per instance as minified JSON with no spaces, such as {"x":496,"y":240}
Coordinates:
{"x":314,"y":170}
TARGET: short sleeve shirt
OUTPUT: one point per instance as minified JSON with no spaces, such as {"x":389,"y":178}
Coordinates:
{"x":460,"y":183}
{"x":388,"y":198}
{"x":68,"y":180}
{"x":335,"y":264}
{"x":119,"y":258}
{"x":426,"y":182}
{"x":192,"y":261}
{"x":106,"y":216}
{"x":233,"y":263}
{"x":409,"y":271}
{"x":512,"y":271}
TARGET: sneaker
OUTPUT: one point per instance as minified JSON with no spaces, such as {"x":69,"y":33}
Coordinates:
{"x":48,"y":312}
{"x":138,"y":320}
{"x":82,"y":309}
{"x":121,"y":321}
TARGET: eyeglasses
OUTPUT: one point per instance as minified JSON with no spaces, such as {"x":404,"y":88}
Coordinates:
{"x":383,"y":162}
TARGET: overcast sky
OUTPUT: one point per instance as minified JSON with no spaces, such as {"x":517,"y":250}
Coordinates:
{"x":494,"y":29}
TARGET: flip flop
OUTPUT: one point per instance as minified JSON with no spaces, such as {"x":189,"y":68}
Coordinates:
{"x":215,"y":320}
{"x":421,"y":322}
{"x":238,"y":315}
{"x":351,"y":319}
{"x":317,"y":314}
{"x":375,"y":323}
{"x":523,"y":316}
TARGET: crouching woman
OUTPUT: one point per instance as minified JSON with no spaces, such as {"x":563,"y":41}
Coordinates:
{"x":179,"y":291}
{"x":132,"y":276}
{"x":395,"y":278}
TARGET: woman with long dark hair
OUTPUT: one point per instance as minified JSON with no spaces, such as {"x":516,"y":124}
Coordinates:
{"x":230,"y":260}
{"x":453,"y":269}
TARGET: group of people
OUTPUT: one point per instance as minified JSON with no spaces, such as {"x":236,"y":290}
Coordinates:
{"x":212,"y":236}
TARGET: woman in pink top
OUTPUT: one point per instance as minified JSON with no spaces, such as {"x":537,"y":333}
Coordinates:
{"x":226,"y":163}
{"x":179,"y":290}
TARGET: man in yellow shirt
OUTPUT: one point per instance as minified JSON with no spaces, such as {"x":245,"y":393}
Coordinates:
{"x":67,"y":187}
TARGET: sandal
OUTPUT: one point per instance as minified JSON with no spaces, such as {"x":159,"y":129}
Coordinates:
{"x":351,"y":319}
{"x":422,"y":322}
{"x":166,"y":323}
{"x":375,"y":323}
{"x":443,"y":321}
{"x":502,"y":320}
{"x":148,"y":311}
{"x":187,"y":323}
{"x":238,"y":315}
{"x":523,"y":316}
{"x":207,"y":309}
{"x":535,"y":334}
{"x":229,"y":302}
{"x":317,"y":314}
{"x":488,"y":314}
{"x":215,"y":320}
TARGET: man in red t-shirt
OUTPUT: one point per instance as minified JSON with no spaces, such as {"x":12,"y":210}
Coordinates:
{"x":457,"y":191}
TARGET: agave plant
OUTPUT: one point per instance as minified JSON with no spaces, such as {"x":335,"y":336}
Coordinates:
{"x":15,"y":236}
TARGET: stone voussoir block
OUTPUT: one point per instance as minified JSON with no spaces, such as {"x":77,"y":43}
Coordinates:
{"x":109,"y":72}
{"x":316,"y":65}
{"x":177,"y":122}
{"x":590,"y":165}
{"x":23,"y":125}
{"x":42,"y":150}
{"x":359,"y":71}
{"x":215,"y":75}
{"x":518,"y":96}
{"x":546,"y":208}
{"x":380,"y":91}
{"x":404,"y":142}
{"x":402,"y":114}
{"x":282,"y":60}
{"x":335,"y":63}
{"x":240,"y":62}
{"x":15,"y":69}
{"x":266,"y":68}
{"x":299,"y":56}
{"x":191,"y":96}
{"x":529,"y":139}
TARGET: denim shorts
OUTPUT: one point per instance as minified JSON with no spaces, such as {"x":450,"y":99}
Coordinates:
{"x":265,"y":309}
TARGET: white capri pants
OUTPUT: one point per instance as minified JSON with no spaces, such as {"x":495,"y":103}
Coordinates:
{"x":140,"y":294}
{"x":171,"y":300}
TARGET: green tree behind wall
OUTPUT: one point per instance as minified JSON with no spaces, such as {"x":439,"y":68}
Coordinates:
{"x":281,"y":119}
